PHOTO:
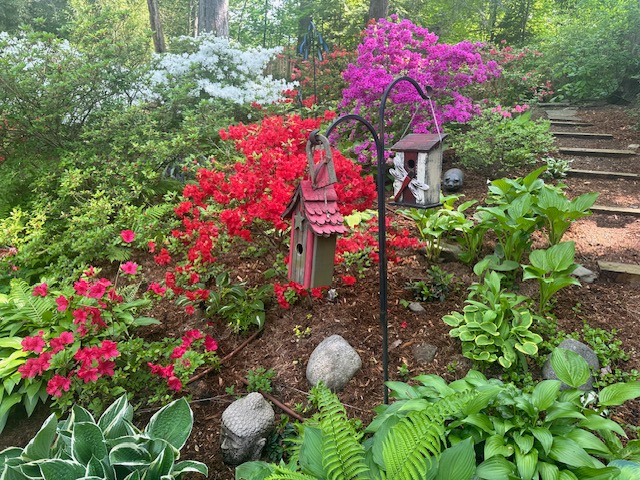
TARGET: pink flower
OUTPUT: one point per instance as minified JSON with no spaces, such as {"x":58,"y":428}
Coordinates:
{"x":109,"y":349}
{"x":57,"y":344}
{"x":40,"y":290}
{"x":152,"y":247}
{"x":194,"y":334}
{"x":163,"y":258}
{"x":35,"y":366}
{"x":88,"y":374}
{"x":178,"y":351}
{"x":210,"y":345}
{"x":81,"y":287}
{"x":105,"y":369}
{"x":189,"y":309}
{"x":98,"y":289}
{"x":62,"y":302}
{"x":57,"y":384}
{"x":127,"y":236}
{"x":33,"y":344}
{"x":174,"y":383}
{"x":404,"y":325}
{"x":157,"y":288}
{"x":130,"y":268}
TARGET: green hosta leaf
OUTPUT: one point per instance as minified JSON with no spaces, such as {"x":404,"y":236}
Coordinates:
{"x":548,"y":471}
{"x":524,"y":442}
{"x":570,"y":453}
{"x":528,"y":348}
{"x":135,"y":475}
{"x":480,"y":420}
{"x":86,"y":442}
{"x":496,"y":468}
{"x":495,"y":445}
{"x":190,"y":466}
{"x":526,"y":463}
{"x":162,"y":465}
{"x":129,"y":454}
{"x":40,"y":445}
{"x":588,"y":441}
{"x":482,"y":340}
{"x":545,"y":393}
{"x":569,"y":367}
{"x":253,"y":471}
{"x":619,"y":393}
{"x":311,"y":452}
{"x":587,"y":473}
{"x":172,"y":423}
{"x":457,"y":462}
{"x":59,"y":469}
{"x":145,"y":321}
{"x":596,"y":422}
{"x":115,"y":421}
{"x":544,"y":436}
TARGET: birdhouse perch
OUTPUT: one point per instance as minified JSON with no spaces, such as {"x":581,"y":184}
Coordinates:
{"x":315,"y":221}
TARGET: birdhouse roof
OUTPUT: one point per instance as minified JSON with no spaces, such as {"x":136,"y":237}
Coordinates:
{"x":418,"y":142}
{"x":320,"y":208}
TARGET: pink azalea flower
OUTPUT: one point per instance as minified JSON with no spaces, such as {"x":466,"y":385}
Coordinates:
{"x":174,"y":383}
{"x":57,"y":384}
{"x":62,"y":302}
{"x":210,"y":345}
{"x":127,"y":236}
{"x":130,"y":268}
{"x":157,"y":288}
{"x":33,"y":344}
{"x":40,"y":290}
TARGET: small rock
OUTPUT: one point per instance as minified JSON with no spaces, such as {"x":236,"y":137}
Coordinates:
{"x":634,"y":146}
{"x":584,"y":274}
{"x":416,"y":307}
{"x":581,"y":349}
{"x":424,"y":353}
{"x":334,"y":362}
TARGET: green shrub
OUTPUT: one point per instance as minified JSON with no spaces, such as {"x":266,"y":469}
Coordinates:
{"x":111,"y":448}
{"x":497,"y":142}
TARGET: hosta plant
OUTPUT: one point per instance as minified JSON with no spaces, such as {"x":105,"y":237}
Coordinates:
{"x":494,"y":325}
{"x":111,"y":448}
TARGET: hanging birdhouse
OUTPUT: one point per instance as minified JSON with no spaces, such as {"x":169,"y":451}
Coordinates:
{"x":315,"y":222}
{"x":417,"y":168}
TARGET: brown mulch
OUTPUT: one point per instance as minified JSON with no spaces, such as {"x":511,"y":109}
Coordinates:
{"x":355,"y":313}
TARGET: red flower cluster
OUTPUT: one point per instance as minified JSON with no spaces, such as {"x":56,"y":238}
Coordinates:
{"x":288,"y":293}
{"x":178,"y":354}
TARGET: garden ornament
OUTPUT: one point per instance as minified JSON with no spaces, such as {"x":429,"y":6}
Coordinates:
{"x":246,"y":424}
{"x":316,"y":221}
{"x":453,"y":180}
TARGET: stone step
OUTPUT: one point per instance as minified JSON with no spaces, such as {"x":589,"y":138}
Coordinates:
{"x":621,"y":272}
{"x":554,"y":104}
{"x":597,"y":152}
{"x":599,"y":173}
{"x":570,"y":123}
{"x":595,"y":136}
{"x":615,"y":210}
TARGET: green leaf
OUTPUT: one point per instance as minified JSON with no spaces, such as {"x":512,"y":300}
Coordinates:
{"x":114,"y":422}
{"x":548,"y":471}
{"x":254,"y":471}
{"x":162,"y":464}
{"x":570,"y":453}
{"x":526,"y":463}
{"x":596,"y":422}
{"x":495,"y":445}
{"x":173,"y":423}
{"x":39,"y":447}
{"x":59,"y":469}
{"x":545,"y":393}
{"x":311,"y":452}
{"x":129,"y":454}
{"x":87,"y":441}
{"x":457,"y":462}
{"x":145,"y":321}
{"x":544,"y":436}
{"x":496,"y":468}
{"x":190,"y":466}
{"x":570,"y":367}
{"x":619,"y":393}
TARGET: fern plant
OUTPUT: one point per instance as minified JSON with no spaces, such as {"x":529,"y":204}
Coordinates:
{"x":404,"y":447}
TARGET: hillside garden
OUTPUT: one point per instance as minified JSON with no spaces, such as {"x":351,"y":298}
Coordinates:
{"x":143,"y":271}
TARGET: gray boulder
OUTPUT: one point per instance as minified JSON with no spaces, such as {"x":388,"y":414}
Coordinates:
{"x":334,"y":362}
{"x":584,"y":274}
{"x":581,"y":349}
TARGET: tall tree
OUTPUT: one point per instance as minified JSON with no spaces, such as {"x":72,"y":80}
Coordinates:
{"x":378,"y":9}
{"x":156,"y":26}
{"x":213,"y":16}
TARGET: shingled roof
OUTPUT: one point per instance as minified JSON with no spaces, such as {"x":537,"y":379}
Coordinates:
{"x":320,"y":208}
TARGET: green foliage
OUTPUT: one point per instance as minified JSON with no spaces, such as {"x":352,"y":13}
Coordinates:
{"x":110,"y":448}
{"x":556,"y":167}
{"x":558,"y":212}
{"x":552,"y":268}
{"x":495,"y":325}
{"x":437,"y":287}
{"x":241,"y":307}
{"x":498,"y":144}
{"x":259,"y":380}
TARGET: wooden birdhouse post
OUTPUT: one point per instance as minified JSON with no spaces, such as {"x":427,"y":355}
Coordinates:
{"x":315,"y":222}
{"x":417,"y":170}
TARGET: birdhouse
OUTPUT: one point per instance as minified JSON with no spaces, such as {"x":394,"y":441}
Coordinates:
{"x":315,"y":222}
{"x":417,"y":168}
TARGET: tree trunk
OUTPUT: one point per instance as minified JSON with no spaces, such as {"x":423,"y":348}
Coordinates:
{"x":156,"y":26}
{"x":213,"y":16}
{"x":378,"y":9}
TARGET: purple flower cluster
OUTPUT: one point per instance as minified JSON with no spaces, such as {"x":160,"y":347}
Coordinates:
{"x":391,"y":49}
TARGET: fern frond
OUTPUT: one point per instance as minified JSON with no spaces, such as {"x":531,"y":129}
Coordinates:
{"x":117,"y":254}
{"x":129,"y":292}
{"x":342,"y":453}
{"x":284,"y":474}
{"x":410,"y":445}
{"x":29,"y":307}
{"x":157,"y":212}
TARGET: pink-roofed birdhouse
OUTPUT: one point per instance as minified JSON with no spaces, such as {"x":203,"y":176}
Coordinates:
{"x":315,"y":222}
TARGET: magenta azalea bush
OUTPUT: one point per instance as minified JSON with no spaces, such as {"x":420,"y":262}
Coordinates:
{"x":391,"y":49}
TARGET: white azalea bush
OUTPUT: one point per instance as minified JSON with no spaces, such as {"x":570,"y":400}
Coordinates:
{"x":217,"y":68}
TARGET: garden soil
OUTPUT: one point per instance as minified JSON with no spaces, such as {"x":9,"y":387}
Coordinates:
{"x":354,"y":314}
